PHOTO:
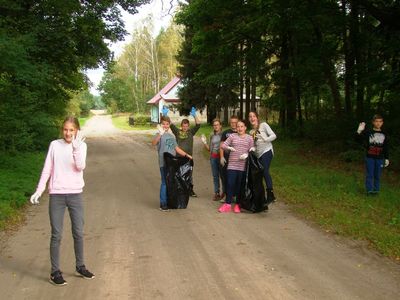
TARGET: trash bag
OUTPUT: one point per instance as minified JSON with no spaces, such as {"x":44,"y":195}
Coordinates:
{"x":178,"y":180}
{"x":252,"y":192}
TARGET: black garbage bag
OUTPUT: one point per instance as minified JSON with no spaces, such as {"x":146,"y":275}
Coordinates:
{"x":252,"y":192}
{"x":178,"y":179}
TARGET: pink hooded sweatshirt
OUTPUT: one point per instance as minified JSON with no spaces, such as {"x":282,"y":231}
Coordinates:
{"x":64,"y":166}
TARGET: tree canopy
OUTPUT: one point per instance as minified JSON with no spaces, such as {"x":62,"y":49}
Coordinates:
{"x":147,"y":63}
{"x":45,"y":48}
{"x":314,"y":61}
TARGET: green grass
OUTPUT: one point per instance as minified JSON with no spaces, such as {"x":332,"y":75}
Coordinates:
{"x":121,"y":122}
{"x":19,"y":175}
{"x":324,"y":189}
{"x":82,"y":121}
{"x":331,"y":193}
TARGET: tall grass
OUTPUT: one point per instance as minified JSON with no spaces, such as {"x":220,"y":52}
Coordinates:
{"x":19,"y":174}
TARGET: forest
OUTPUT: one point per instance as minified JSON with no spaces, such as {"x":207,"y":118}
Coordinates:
{"x":317,"y":67}
{"x":45,"y":47}
{"x":322,"y":66}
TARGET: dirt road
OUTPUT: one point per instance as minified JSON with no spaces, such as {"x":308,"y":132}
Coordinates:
{"x":138,"y":252}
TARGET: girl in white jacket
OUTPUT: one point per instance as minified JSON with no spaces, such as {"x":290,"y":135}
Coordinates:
{"x":263,"y":137}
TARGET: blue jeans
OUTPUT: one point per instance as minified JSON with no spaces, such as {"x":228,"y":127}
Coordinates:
{"x":216,"y":173}
{"x":234,"y":183}
{"x":374,"y":170}
{"x":163,"y":188}
{"x":265,"y":160}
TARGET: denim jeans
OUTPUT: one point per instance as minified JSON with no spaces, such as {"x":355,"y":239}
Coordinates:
{"x":234,"y":183}
{"x":265,"y":160}
{"x":216,"y":173}
{"x":163,"y":188}
{"x":373,"y":169}
{"x":57,"y":205}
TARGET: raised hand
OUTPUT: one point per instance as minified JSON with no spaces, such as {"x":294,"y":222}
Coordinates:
{"x":77,"y":140}
{"x":165,"y":110}
{"x":193,"y":112}
{"x":160,"y":129}
{"x":361,"y":127}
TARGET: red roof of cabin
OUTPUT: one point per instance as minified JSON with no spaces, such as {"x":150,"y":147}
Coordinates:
{"x":170,"y":85}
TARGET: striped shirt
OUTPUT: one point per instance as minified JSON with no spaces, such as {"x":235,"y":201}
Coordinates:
{"x":242,"y":144}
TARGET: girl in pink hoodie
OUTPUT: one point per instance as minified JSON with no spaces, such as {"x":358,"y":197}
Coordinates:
{"x":63,"y":169}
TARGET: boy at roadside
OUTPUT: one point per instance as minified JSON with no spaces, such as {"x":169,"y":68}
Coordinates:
{"x":165,"y":142}
{"x":184,"y":135}
{"x":377,"y":154}
{"x":224,"y":153}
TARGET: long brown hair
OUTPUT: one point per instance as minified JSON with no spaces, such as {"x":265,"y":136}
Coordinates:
{"x":258,"y":118}
{"x":73,"y":120}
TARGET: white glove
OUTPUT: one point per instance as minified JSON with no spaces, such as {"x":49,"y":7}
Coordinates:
{"x":361,"y":127}
{"x":204,"y":139}
{"x":243,"y":156}
{"x":386,"y":163}
{"x":160,"y":129}
{"x":252,"y":149}
{"x":77,"y":140}
{"x":222,"y":161}
{"x":231,"y":149}
{"x":35,"y":198}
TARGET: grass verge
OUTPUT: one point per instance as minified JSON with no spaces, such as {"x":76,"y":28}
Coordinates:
{"x":331,"y":193}
{"x":82,"y":121}
{"x":122,"y":122}
{"x":19,"y":174}
{"x":325,"y":189}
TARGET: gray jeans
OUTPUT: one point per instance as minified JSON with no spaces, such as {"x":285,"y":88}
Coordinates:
{"x":57,"y":205}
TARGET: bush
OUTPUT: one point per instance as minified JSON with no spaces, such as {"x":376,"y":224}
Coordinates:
{"x":141,"y":119}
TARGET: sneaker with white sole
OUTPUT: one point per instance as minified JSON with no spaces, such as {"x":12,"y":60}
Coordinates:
{"x":164,"y":209}
{"x":56,"y":278}
{"x":83,"y":272}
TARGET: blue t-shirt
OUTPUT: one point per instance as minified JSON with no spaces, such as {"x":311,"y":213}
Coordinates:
{"x":167,"y":143}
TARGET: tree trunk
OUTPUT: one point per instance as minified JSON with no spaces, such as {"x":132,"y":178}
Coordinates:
{"x":290,"y":101}
{"x":226,"y":117}
{"x":358,"y":58}
{"x":241,"y":83}
{"x":349,"y":64}
{"x":329,"y":72}
{"x":318,"y":106}
{"x":253,"y":93}
{"x":298,"y":100}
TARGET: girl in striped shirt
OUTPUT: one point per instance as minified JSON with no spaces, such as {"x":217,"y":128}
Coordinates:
{"x":239,"y":144}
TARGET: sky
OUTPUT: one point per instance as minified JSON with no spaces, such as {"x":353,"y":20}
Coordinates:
{"x":159,"y":9}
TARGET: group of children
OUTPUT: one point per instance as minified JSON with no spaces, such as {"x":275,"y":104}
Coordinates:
{"x":228,"y":154}
{"x":66,"y":160}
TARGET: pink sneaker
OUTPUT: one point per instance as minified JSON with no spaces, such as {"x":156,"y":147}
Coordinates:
{"x":236,"y":208}
{"x":225,"y":208}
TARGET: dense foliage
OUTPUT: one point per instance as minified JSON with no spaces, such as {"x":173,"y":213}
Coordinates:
{"x":330,"y":63}
{"x":44,"y":47}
